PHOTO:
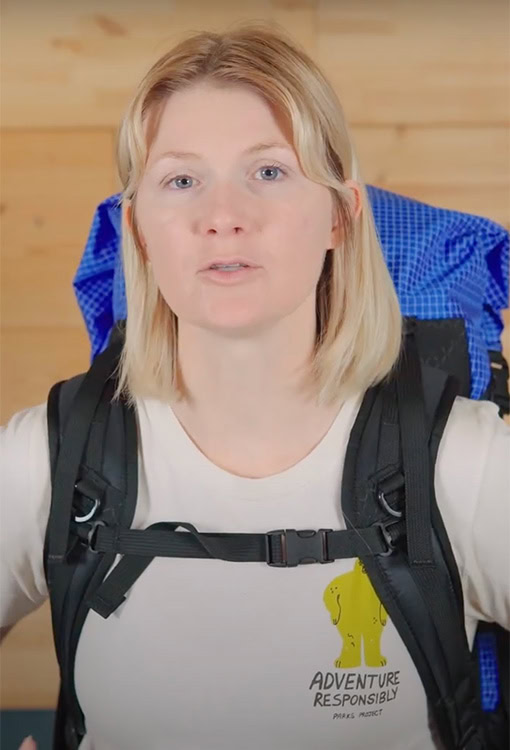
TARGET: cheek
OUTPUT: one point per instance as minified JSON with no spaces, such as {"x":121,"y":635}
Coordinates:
{"x":306,"y":221}
{"x":176,"y":287}
{"x":298,"y":256}
{"x":173,"y":265}
{"x":167,"y":245}
{"x":302,"y":242}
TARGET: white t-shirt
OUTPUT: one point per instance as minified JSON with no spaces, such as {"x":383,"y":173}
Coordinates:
{"x":216,"y":655}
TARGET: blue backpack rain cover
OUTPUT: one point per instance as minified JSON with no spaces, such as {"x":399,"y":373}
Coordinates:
{"x":444,"y":264}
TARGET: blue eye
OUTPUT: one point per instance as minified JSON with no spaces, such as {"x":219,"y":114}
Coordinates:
{"x":265,"y":167}
{"x":180,"y":177}
{"x":273,"y":167}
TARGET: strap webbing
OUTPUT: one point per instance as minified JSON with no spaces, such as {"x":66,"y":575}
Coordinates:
{"x":140,"y":546}
{"x":415,"y":455}
{"x":75,"y":436}
{"x":160,"y":540}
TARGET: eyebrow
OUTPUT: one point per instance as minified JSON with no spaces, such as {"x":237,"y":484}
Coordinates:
{"x":191,"y":155}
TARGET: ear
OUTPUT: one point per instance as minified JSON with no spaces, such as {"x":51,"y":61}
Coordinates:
{"x":129,"y":216}
{"x":357,"y":200}
{"x":336,"y":227}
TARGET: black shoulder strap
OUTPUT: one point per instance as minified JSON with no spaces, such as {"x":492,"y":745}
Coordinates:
{"x":82,"y":420}
{"x":397,"y":431}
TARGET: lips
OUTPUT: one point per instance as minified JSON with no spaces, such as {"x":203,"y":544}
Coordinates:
{"x":228,"y":262}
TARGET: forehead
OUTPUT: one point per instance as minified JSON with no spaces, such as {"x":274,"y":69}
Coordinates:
{"x":206,"y":117}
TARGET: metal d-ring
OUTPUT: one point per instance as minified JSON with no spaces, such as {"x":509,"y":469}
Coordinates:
{"x":90,"y":514}
{"x":388,"y":508}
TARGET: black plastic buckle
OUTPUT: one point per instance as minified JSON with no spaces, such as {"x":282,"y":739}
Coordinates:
{"x":299,"y":547}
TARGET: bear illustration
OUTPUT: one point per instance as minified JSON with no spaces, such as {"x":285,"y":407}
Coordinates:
{"x":358,"y":614}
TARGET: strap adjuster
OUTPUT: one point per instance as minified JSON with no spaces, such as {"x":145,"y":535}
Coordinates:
{"x":386,"y":536}
{"x":298,"y":547}
{"x":91,"y":535}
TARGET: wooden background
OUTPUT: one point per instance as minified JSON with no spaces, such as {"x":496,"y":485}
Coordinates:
{"x":425,"y":87}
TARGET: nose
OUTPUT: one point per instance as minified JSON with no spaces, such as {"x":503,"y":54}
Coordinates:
{"x":224,"y":228}
{"x":224,"y":212}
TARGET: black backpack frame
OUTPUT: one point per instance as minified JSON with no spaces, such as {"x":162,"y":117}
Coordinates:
{"x":393,"y":524}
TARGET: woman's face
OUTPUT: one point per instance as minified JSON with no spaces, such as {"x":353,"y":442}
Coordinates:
{"x":231,"y":200}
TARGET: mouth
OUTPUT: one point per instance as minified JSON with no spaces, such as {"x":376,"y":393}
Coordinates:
{"x":229,"y":263}
{"x":229,"y":274}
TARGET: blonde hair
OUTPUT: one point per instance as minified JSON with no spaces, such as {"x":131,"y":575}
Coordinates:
{"x":359,"y":323}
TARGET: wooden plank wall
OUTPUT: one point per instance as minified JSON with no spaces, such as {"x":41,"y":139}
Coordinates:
{"x":425,"y":87}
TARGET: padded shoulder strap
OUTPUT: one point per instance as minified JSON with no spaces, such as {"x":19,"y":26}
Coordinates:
{"x":93,"y":456}
{"x":386,"y":479}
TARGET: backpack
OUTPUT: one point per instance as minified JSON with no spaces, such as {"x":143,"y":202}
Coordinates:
{"x":395,"y":528}
{"x":450,"y":270}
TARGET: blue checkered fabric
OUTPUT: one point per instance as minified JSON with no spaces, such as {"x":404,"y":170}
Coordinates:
{"x":443,"y":263}
{"x":489,"y":670}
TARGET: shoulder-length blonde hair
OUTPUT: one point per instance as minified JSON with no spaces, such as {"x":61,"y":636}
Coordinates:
{"x":359,"y":323}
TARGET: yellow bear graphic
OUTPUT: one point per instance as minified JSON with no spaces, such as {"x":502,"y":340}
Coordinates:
{"x":357,"y":612}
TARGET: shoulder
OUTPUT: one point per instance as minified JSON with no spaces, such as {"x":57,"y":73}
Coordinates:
{"x":474,"y":439}
{"x":473,"y":425}
{"x":25,"y":420}
{"x":472,"y":483}
{"x":25,"y":435}
{"x":24,"y":442}
{"x":474,"y":444}
{"x":476,"y":411}
{"x":25,"y":495}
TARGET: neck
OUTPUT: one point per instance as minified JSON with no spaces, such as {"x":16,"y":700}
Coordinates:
{"x":240,"y":382}
{"x":248,"y":411}
{"x":250,"y":389}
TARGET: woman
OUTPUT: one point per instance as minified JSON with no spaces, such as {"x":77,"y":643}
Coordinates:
{"x":246,"y":381}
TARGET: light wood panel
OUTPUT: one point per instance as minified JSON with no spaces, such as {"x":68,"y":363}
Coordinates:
{"x":418,"y":63}
{"x":36,"y":357}
{"x":425,"y":88}
{"x":461,"y":168}
{"x":52,"y":182}
{"x":436,"y":156}
{"x":85,"y":57}
{"x":390,"y":60}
